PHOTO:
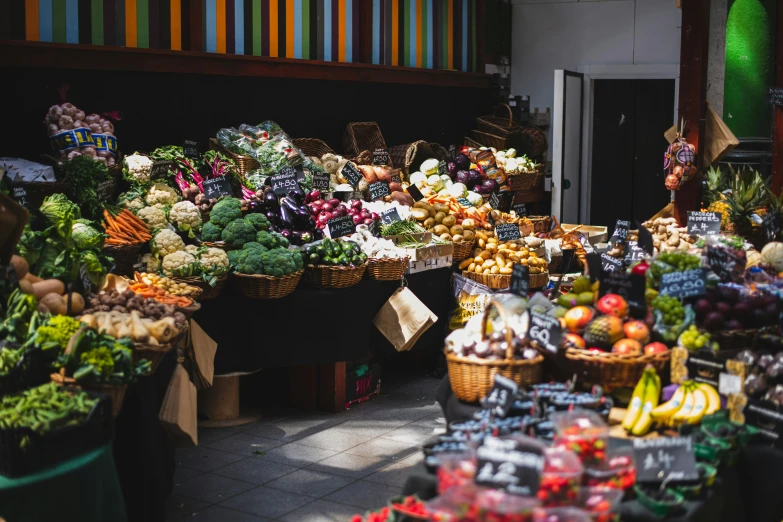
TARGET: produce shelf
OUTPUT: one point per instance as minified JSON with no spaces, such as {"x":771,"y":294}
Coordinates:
{"x":90,"y":57}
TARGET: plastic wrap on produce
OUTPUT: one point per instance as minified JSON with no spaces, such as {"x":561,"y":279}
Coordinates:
{"x":471,"y":299}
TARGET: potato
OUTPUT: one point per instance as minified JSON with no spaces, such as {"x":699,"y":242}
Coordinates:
{"x":469,"y":235}
{"x":472,"y":267}
{"x":432,"y":211}
{"x":494,"y":270}
{"x":485,"y":254}
{"x":485,"y":271}
{"x":481,"y":243}
{"x":420,"y":214}
{"x":524,"y":254}
{"x":77,"y":302}
{"x":479,"y":269}
{"x":439,"y":230}
{"x":456,"y":229}
{"x":465,"y":263}
{"x":482,"y":235}
{"x":439,"y":217}
{"x":492,"y":247}
{"x":457,"y":238}
{"x":523,"y":262}
{"x":48,"y":286}
{"x":440,"y":207}
{"x":54,"y":303}
{"x":476,"y":251}
{"x":445,"y":237}
{"x":488,"y":263}
{"x":450,"y":221}
{"x":500,"y":261}
{"x":429,"y":223}
{"x":506,"y":270}
{"x":468,"y":224}
{"x":422,"y":204}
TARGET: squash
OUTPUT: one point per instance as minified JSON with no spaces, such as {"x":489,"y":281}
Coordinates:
{"x":753,"y":258}
{"x":772,"y":254}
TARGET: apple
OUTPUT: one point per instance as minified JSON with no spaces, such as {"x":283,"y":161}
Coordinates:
{"x":613,"y":304}
{"x":576,"y":318}
{"x":654,"y":348}
{"x":637,"y":331}
{"x":627,"y":347}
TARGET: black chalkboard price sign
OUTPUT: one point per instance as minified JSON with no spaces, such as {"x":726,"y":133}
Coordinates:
{"x":190,"y":149}
{"x":507,"y":232}
{"x":284,"y":180}
{"x":645,"y":239}
{"x":520,"y":209}
{"x":321,"y":181}
{"x":380,"y":157}
{"x":20,"y":196}
{"x":501,"y":396}
{"x":633,"y":253}
{"x":375,"y":227}
{"x":105,"y":190}
{"x":494,"y":200}
{"x":546,"y":330}
{"x":379,"y":190}
{"x":160,"y":169}
{"x":665,"y":459}
{"x":442,"y":168}
{"x":688,"y":283}
{"x":610,"y":264}
{"x":520,"y":280}
{"x":415,"y":193}
{"x":352,"y":174}
{"x":217,"y":187}
{"x":389,"y":216}
{"x":620,"y":231}
{"x":771,"y":223}
{"x":340,"y":226}
{"x":703,"y":223}
{"x":395,"y":177}
{"x":775,"y":96}
{"x":509,"y":465}
{"x":725,"y":263}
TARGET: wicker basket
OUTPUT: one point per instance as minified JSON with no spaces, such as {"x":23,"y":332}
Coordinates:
{"x":125,"y":256}
{"x":361,"y":136}
{"x":541,"y":224}
{"x":115,"y":391}
{"x":498,"y":281}
{"x":463,"y":250}
{"x":37,"y":191}
{"x":531,"y":141}
{"x":526,"y":181}
{"x":555,"y":263}
{"x":737,"y":339}
{"x":256,"y":286}
{"x":153,"y":353}
{"x":439,"y":152}
{"x":245,"y":164}
{"x":490,"y":140}
{"x":611,"y":370}
{"x":472,"y":379}
{"x":387,"y":269}
{"x":470,"y":142}
{"x":207,"y":291}
{"x":312,"y":147}
{"x":498,"y":125}
{"x":326,"y":276}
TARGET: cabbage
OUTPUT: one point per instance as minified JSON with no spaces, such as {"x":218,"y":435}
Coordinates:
{"x":462,"y":162}
{"x":84,"y":236}
{"x":475,"y":198}
{"x":429,"y":166}
{"x":458,"y":190}
{"x":435,"y":182}
{"x":60,"y":212}
{"x":417,"y":177}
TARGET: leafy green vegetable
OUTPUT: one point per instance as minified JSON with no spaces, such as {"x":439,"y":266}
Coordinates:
{"x":85,"y":236}
{"x":401,"y":227}
{"x":88,"y":361}
{"x":84,"y":175}
{"x":60,"y":212}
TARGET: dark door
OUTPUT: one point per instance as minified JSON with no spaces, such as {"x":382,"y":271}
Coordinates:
{"x":629,"y":119}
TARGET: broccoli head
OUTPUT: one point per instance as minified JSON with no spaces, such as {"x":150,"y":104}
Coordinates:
{"x":238,"y":232}
{"x":233,"y":257}
{"x":210,"y":232}
{"x":250,"y":259}
{"x":259,"y":221}
{"x":266,"y":239}
{"x":225,"y":211}
{"x":298,"y":260}
{"x":282,"y":241}
{"x":253,"y":244}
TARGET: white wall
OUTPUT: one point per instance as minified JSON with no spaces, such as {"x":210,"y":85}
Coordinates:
{"x":549,"y":35}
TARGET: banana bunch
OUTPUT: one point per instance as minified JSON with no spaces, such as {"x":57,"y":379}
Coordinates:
{"x":638,"y":419}
{"x":692,"y":401}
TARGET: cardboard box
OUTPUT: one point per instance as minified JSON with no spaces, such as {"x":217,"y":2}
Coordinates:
{"x":423,"y":237}
{"x":434,"y":263}
{"x":594,"y":234}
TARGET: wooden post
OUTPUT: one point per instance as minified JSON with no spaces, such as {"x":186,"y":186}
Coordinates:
{"x":694,"y":49}
{"x":776,"y":183}
{"x":331,"y":395}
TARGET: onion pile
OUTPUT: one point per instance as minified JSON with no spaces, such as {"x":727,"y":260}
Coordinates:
{"x":323,"y":210}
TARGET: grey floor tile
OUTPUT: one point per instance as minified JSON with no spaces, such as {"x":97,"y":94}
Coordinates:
{"x":322,"y":511}
{"x":434,"y":421}
{"x":347,"y":465}
{"x":221,"y":514}
{"x":370,"y":427}
{"x":178,"y":507}
{"x":257,"y":470}
{"x":182,"y":474}
{"x":207,"y":436}
{"x":212,"y":488}
{"x":205,"y":459}
{"x":335,"y":439}
{"x":267,"y":502}
{"x":309,"y":482}
{"x":396,"y":474}
{"x":385,"y":449}
{"x":298,"y":455}
{"x":364,"y":494}
{"x":244,"y":444}
{"x":291,"y":429}
{"x":411,"y":433}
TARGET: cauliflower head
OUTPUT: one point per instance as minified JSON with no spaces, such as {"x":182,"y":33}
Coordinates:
{"x":211,"y":232}
{"x":214,"y":261}
{"x":179,"y":264}
{"x":225,"y":211}
{"x":161,"y":194}
{"x":238,"y":232}
{"x":154,"y":217}
{"x":192,"y":250}
{"x":151,"y":263}
{"x":167,"y":242}
{"x":131,"y":203}
{"x":185,"y":216}
{"x":137,"y":168}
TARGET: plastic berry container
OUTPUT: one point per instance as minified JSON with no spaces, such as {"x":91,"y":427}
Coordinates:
{"x":455,"y":469}
{"x":583,"y":432}
{"x":663,"y":503}
{"x":618,"y":471}
{"x":600,"y":503}
{"x":560,"y":514}
{"x":499,"y":506}
{"x":560,"y":479}
{"x":456,"y":505}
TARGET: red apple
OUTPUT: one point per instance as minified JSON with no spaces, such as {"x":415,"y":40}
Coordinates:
{"x":654,"y":348}
{"x":613,"y":304}
{"x":627,"y":347}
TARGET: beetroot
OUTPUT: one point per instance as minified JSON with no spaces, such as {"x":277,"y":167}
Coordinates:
{"x":775,"y":395}
{"x":755,"y":385}
{"x":742,"y":311}
{"x":774,"y":373}
{"x":728,"y":294}
{"x":747,"y":356}
{"x":702,"y":308}
{"x":765,"y":360}
{"x":723,"y":308}
{"x":714,"y":321}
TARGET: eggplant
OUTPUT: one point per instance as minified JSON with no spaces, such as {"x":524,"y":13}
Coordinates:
{"x":273,"y":218}
{"x":300,"y":237}
{"x":270,"y":200}
{"x":287,"y":216}
{"x":297,"y":194}
{"x":286,"y":233}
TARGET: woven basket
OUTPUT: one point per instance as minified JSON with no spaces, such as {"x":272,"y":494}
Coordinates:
{"x":387,"y":269}
{"x":472,"y":379}
{"x":207,"y":291}
{"x":463,"y":250}
{"x":555,"y":263}
{"x":361,"y":136}
{"x":245,"y":164}
{"x":498,"y":125}
{"x":470,"y":142}
{"x":312,"y":147}
{"x":497,"y":281}
{"x":115,"y":391}
{"x":125,"y":256}
{"x":440,"y":152}
{"x":491,"y":140}
{"x":541,"y":224}
{"x":531,"y":141}
{"x":152,"y":353}
{"x":37,"y":191}
{"x":526,"y":181}
{"x":737,"y":339}
{"x":256,"y":286}
{"x":325,"y":276}
{"x":611,"y":370}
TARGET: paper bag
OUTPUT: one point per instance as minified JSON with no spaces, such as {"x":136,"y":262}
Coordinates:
{"x":718,"y":138}
{"x":403,"y":319}
{"x":178,"y":411}
{"x":203,"y":350}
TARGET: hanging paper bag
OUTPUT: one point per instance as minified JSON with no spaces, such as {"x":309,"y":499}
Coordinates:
{"x":403,"y":319}
{"x":719,"y":138}
{"x":178,"y":411}
{"x":203,"y":356}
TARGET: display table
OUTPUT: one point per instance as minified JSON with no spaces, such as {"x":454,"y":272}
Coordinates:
{"x":84,"y":488}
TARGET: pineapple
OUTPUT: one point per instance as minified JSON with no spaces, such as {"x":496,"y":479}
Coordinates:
{"x":715,"y":197}
{"x":749,"y":193}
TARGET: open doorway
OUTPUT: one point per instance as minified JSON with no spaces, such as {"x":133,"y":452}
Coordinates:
{"x":629,"y":117}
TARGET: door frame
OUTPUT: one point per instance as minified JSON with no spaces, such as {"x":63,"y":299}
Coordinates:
{"x":613,"y":72}
{"x":561,"y":98}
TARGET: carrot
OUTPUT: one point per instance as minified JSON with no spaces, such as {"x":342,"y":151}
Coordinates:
{"x":130,"y":216}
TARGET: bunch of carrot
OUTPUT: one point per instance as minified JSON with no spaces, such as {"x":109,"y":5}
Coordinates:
{"x":160,"y":295}
{"x":124,"y":228}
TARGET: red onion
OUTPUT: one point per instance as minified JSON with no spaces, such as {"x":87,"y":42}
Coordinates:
{"x":357,"y":220}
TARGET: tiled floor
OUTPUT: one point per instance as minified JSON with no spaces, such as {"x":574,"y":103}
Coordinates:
{"x":307,"y":466}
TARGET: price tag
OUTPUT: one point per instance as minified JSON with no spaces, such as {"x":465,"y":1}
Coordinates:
{"x":395,"y":177}
{"x":546,"y":330}
{"x":633,"y":253}
{"x":610,"y":264}
{"x":160,"y":169}
{"x":10,"y":276}
{"x":105,"y":190}
{"x":494,"y":200}
{"x":771,"y":223}
{"x":520,"y":209}
{"x":341,"y":226}
{"x":645,"y":239}
{"x":216,"y":188}
{"x":390,"y":215}
{"x":284,"y":180}
{"x":464,"y":202}
{"x":380,"y":157}
{"x":629,"y":286}
{"x":352,"y":174}
{"x":594,"y":266}
{"x":375,"y":228}
{"x":520,"y":280}
{"x":379,"y":190}
{"x":139,"y":267}
{"x":501,"y":396}
{"x":775,"y":96}
{"x":725,"y":263}
{"x":668,"y":459}
{"x":703,"y":223}
{"x":729,"y":384}
{"x":415,"y":193}
{"x":620,"y":231}
{"x":509,"y":465}
{"x":20,"y":196}
{"x":768,"y":418}
{"x":190,"y":149}
{"x":443,"y":168}
{"x":688,"y":283}
{"x":507,"y":232}
{"x":321,"y":181}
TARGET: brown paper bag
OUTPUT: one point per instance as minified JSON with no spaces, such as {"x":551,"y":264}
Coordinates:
{"x":718,"y":138}
{"x":403,"y":319}
{"x":178,"y":411}
{"x":203,"y":349}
